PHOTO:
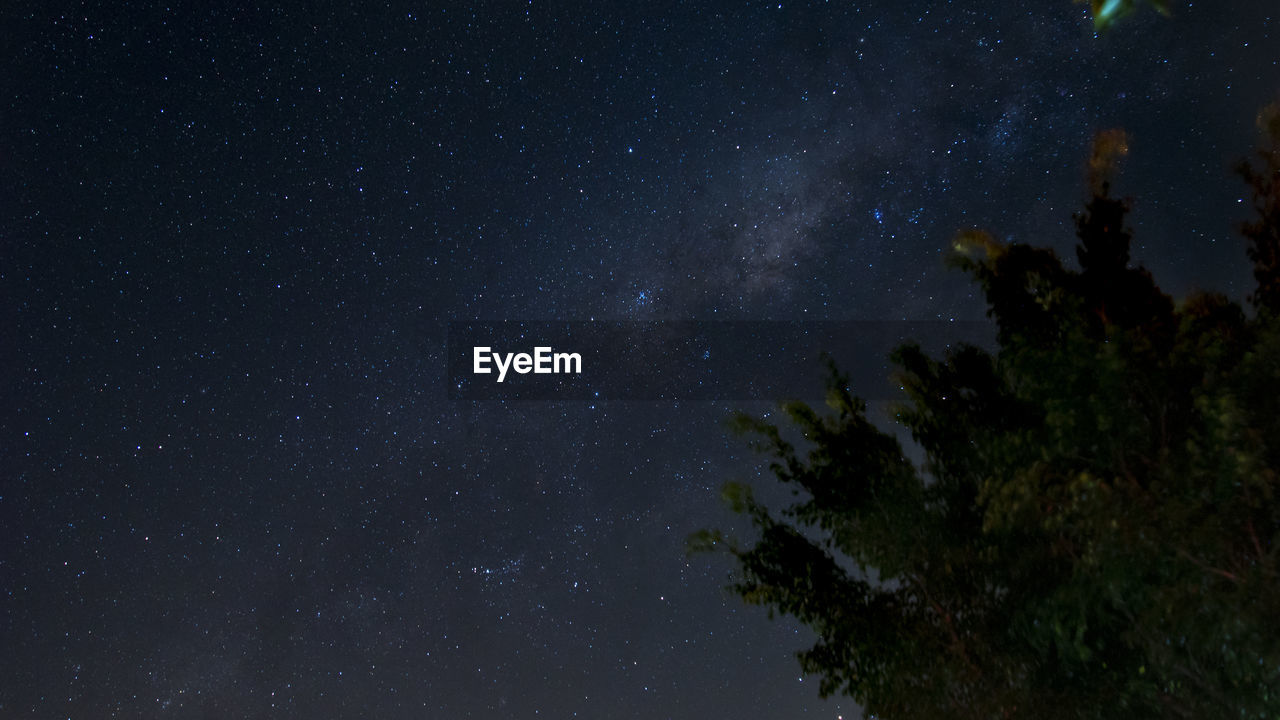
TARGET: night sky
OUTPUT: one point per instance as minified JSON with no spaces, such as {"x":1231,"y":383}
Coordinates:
{"x":232,"y":479}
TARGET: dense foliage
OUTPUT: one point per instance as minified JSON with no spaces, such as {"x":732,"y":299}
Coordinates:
{"x":1093,"y":531}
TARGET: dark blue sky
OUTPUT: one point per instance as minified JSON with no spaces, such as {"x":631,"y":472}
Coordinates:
{"x":233,"y":484}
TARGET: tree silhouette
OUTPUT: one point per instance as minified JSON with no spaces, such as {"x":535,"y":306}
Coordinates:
{"x":1263,"y":175}
{"x":1093,"y":531}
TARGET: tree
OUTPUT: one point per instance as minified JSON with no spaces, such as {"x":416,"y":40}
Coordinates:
{"x":1263,"y":175}
{"x":1094,"y":530}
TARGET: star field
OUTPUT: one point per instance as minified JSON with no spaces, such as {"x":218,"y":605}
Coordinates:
{"x":233,"y":483}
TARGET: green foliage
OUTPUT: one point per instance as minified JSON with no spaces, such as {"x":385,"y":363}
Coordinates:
{"x":1264,"y":232}
{"x":1093,"y":532}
